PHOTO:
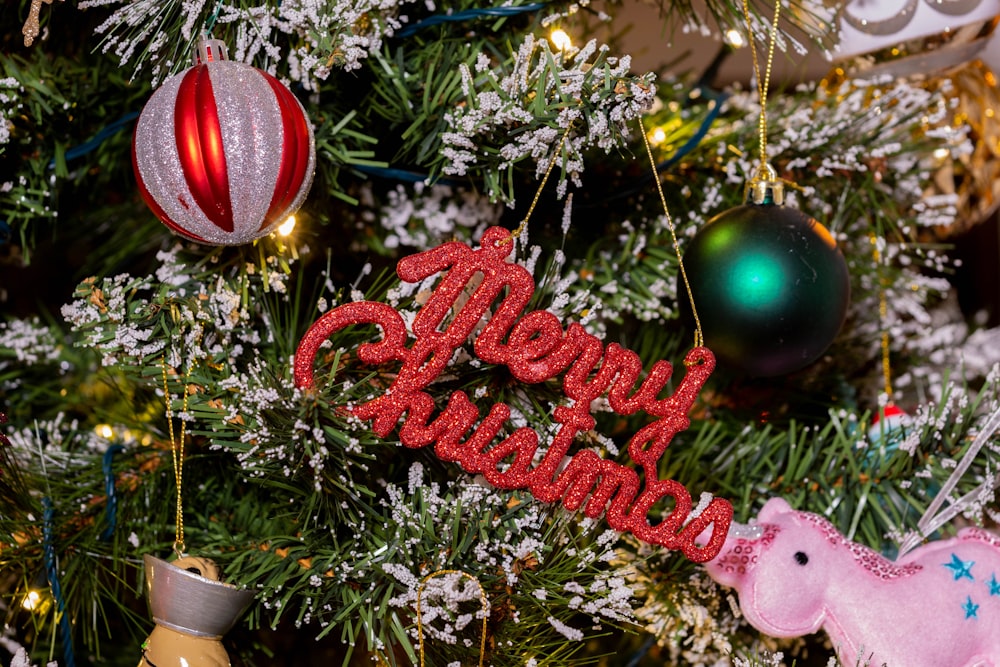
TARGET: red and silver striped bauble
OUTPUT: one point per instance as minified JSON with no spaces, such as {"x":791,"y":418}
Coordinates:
{"x":223,"y":152}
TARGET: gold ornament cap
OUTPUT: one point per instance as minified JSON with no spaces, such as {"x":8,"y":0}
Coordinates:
{"x":765,"y":187}
{"x":190,"y":603}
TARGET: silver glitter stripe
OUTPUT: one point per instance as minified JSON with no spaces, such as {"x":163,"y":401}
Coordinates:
{"x":252,"y":139}
{"x":159,"y":164}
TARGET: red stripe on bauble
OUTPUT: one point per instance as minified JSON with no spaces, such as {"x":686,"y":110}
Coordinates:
{"x":151,"y":202}
{"x":295,"y":151}
{"x":199,"y":147}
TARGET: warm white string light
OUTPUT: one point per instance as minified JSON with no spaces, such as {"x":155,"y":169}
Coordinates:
{"x":286,"y":228}
{"x":561,"y":39}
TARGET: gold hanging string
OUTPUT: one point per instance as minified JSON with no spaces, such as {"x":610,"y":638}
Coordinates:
{"x":883,"y":315}
{"x":482,"y":598}
{"x":886,"y":368}
{"x":177,"y":451}
{"x":541,"y":186}
{"x":699,"y":338}
{"x":762,"y":82}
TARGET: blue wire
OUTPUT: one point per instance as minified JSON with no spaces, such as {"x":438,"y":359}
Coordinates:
{"x":465,"y":15}
{"x":111,"y":509}
{"x":210,"y":21}
{"x":98,"y":138}
{"x":403,"y":175}
{"x":52,"y":572}
{"x":695,"y":139}
{"x":391,"y":172}
{"x":5,"y":235}
{"x":643,"y":650}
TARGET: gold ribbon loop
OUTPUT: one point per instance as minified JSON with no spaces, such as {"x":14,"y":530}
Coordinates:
{"x":482,"y":598}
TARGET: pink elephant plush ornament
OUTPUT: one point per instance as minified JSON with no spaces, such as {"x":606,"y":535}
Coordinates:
{"x":937,"y":606}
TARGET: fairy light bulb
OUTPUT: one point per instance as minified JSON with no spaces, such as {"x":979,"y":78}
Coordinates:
{"x":734,"y":38}
{"x":286,"y":228}
{"x":657,"y":136}
{"x":31,"y":601}
{"x":561,"y":39}
{"x":105,"y":431}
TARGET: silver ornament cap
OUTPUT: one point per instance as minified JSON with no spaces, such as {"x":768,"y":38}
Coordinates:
{"x":190,"y":603}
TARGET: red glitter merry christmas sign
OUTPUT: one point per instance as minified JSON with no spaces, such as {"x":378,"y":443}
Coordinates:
{"x":536,"y":348}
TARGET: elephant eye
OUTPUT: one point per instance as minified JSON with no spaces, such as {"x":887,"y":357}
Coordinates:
{"x":801,"y":558}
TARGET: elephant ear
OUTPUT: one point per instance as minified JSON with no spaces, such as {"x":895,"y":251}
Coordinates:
{"x":745,"y":545}
{"x":774,"y":508}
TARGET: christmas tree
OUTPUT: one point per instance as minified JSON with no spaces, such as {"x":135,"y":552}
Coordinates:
{"x":514,"y":369}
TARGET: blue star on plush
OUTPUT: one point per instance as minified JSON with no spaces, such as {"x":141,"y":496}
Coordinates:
{"x":993,"y":585}
{"x":970,"y":608}
{"x":962,"y":569}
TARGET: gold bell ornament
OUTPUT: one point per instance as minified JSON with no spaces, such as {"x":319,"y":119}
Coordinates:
{"x":192,"y":609}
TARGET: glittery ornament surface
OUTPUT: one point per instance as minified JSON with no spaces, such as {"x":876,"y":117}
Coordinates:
{"x":535,"y":347}
{"x":223,"y":153}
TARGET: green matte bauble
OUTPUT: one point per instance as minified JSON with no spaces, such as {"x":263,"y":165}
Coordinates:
{"x":770,"y":286}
